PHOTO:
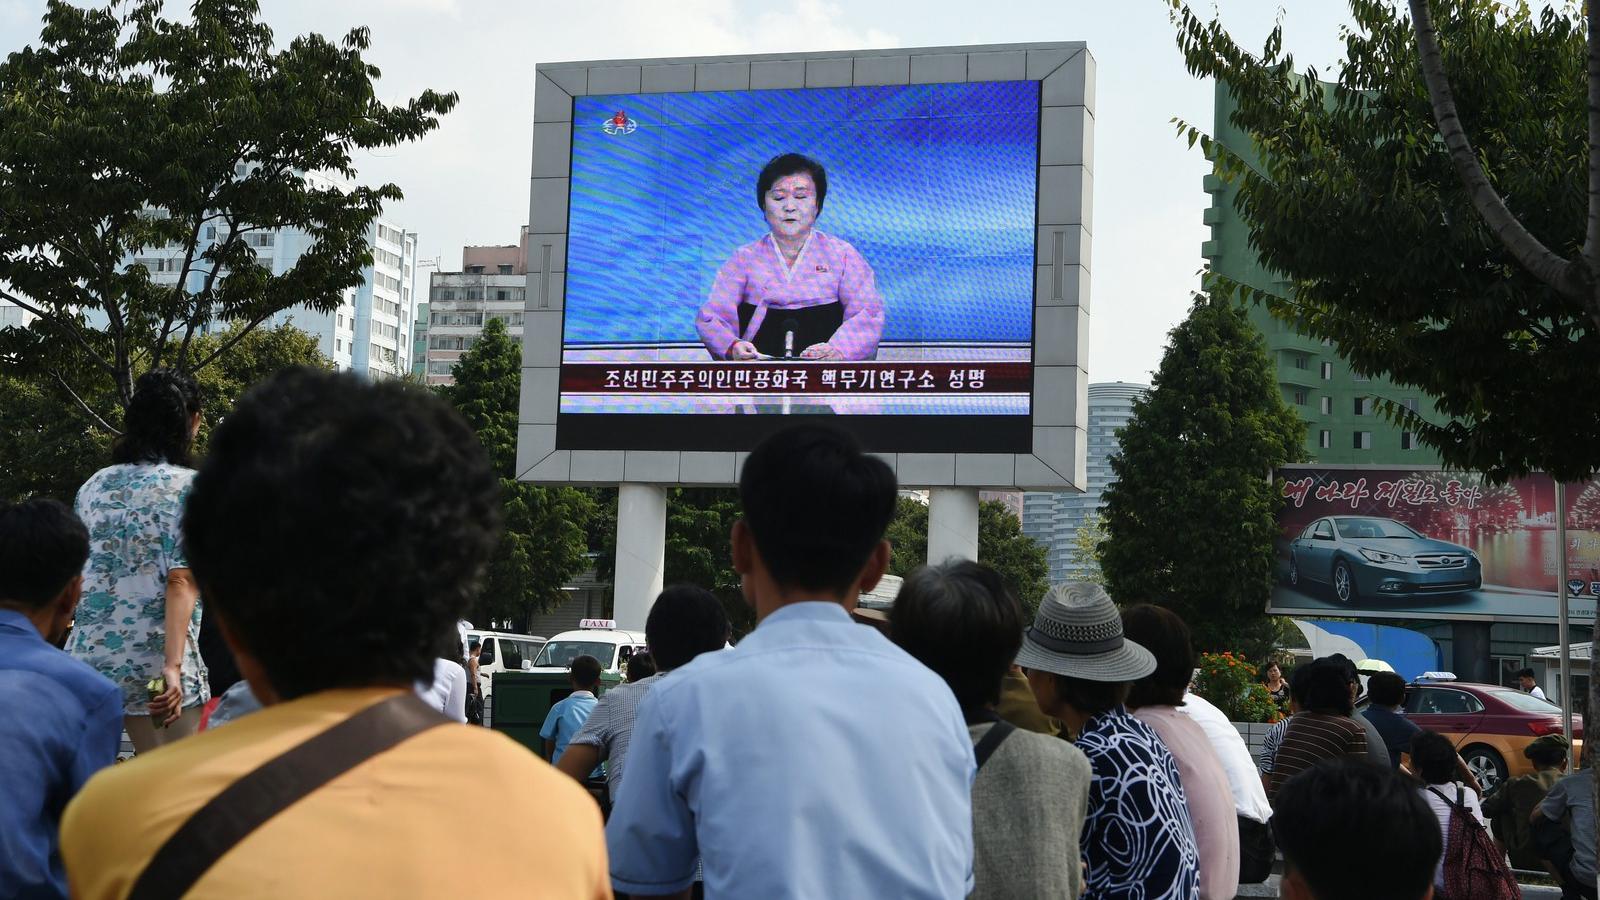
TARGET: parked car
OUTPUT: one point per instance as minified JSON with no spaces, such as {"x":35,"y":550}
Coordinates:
{"x":1369,"y":556}
{"x":502,"y":651}
{"x":1490,"y":724}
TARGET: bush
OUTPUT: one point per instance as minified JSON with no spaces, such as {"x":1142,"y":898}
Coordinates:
{"x":1230,"y":684}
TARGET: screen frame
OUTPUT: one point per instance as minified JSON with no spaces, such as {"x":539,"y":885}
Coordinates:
{"x":1055,"y":432}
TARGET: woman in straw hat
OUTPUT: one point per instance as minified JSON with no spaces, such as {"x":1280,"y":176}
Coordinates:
{"x":1137,"y":839}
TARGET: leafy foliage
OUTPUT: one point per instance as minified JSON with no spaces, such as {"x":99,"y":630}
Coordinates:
{"x":1349,"y":193}
{"x":124,"y":132}
{"x":1086,"y":544}
{"x":1191,"y":520}
{"x":1230,"y":684}
{"x":1022,"y":564}
{"x":546,"y":528}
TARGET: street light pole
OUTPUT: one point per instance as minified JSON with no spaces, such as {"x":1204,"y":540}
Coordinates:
{"x":1561,"y":618}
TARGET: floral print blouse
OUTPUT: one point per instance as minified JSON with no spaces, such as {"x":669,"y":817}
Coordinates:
{"x":132,"y":513}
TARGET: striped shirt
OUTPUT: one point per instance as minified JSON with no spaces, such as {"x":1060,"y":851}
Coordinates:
{"x":1313,"y":737}
{"x":1269,"y":746}
{"x":610,"y":726}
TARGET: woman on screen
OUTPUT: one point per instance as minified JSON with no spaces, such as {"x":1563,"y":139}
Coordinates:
{"x":797,"y":293}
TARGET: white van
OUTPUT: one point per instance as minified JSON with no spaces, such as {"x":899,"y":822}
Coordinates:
{"x":501,"y":651}
{"x":598,"y":638}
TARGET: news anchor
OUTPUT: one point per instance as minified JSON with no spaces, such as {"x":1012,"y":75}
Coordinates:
{"x":796,"y":293}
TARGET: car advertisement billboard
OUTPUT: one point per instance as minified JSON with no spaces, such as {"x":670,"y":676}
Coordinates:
{"x":864,"y":252}
{"x":1419,"y":543}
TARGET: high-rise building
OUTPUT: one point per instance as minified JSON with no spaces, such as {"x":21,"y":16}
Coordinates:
{"x":492,"y":284}
{"x":13,"y":315}
{"x":1343,"y":425}
{"x":1053,"y":519}
{"x":369,"y":332}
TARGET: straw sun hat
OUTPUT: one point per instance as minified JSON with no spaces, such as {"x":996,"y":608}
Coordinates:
{"x":1078,"y":633}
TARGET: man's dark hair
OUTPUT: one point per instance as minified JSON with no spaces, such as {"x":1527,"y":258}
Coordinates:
{"x":318,"y":517}
{"x":1545,"y":755}
{"x":1328,"y":690}
{"x":641,"y":665}
{"x":790,"y":164}
{"x":156,"y":428}
{"x":1342,"y":820}
{"x":1300,"y":683}
{"x":1091,"y":698}
{"x":1433,"y":757}
{"x":684,"y":622}
{"x":1345,"y":665}
{"x":958,"y":619}
{"x":1164,"y":633}
{"x":1526,"y":673}
{"x":816,"y":506}
{"x":43,"y":546}
{"x":585,"y":671}
{"x":1386,"y":689}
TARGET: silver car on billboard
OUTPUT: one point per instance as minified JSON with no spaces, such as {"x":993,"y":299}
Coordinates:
{"x":1371,"y":557}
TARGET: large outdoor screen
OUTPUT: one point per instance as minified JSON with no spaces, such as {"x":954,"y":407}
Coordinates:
{"x":737,"y":260}
{"x":1429,"y":544}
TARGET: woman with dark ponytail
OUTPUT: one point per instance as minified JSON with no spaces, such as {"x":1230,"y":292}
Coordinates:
{"x":139,"y":621}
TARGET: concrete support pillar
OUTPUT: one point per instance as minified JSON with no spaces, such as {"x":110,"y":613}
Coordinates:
{"x":952,"y":524}
{"x":1469,"y":653}
{"x":641,"y":552}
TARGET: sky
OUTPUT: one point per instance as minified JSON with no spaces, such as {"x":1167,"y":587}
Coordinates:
{"x":467,"y":182}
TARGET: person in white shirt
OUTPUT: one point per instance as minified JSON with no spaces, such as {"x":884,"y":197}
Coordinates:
{"x":1529,"y":684}
{"x":448,"y":691}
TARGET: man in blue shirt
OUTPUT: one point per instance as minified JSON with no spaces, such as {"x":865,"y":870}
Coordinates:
{"x":63,"y":720}
{"x":1386,"y":693}
{"x":816,"y":758}
{"x":567,"y":716}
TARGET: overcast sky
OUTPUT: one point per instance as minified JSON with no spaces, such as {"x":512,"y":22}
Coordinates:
{"x":467,"y":183}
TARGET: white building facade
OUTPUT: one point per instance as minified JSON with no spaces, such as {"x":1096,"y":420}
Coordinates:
{"x":370,"y":331}
{"x":1053,"y":519}
{"x":492,"y":284}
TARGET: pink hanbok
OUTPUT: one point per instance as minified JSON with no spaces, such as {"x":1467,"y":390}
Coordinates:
{"x":827,"y":271}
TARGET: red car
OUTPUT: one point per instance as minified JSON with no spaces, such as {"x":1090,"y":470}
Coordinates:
{"x":1490,"y":724}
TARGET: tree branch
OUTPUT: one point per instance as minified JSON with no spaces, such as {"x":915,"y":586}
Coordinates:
{"x":1543,"y":263}
{"x":104,"y":425}
{"x":228,"y":344}
{"x":71,"y":326}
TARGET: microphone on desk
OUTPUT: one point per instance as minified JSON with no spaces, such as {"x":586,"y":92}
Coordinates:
{"x":790,"y":326}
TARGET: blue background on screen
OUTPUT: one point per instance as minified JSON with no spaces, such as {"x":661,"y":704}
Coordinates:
{"x":934,"y":184}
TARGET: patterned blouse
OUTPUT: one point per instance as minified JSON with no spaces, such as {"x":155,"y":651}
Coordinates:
{"x":132,"y":513}
{"x":1137,"y":839}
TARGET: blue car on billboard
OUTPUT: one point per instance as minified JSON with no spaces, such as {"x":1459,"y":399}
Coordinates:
{"x":1370,"y":557}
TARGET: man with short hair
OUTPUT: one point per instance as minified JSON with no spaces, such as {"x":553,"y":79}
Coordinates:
{"x":1322,"y":729}
{"x":1350,"y":830}
{"x":315,"y":522}
{"x":1377,"y":749}
{"x":1386,"y":693}
{"x":1571,"y":801}
{"x":63,"y":720}
{"x":684,"y":622}
{"x":568,"y":715}
{"x":816,"y":758}
{"x":1529,"y":684}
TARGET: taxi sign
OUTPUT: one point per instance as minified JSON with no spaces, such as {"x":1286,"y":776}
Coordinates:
{"x":597,"y":624}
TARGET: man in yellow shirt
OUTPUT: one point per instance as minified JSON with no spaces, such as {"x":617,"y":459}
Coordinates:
{"x":332,"y":512}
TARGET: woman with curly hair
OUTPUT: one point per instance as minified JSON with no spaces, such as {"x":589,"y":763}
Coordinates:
{"x":139,"y":621}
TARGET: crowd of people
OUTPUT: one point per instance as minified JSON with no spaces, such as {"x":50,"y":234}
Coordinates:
{"x":950,"y":749}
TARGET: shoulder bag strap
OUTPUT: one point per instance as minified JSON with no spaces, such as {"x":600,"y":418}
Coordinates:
{"x":991,"y":740}
{"x":274,"y":786}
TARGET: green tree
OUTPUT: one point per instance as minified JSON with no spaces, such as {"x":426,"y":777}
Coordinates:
{"x":1190,"y":522}
{"x":1086,"y":549}
{"x":1021,"y":562}
{"x":123,"y":132}
{"x":546,"y":528}
{"x":1350,"y":194}
{"x":51,"y":454}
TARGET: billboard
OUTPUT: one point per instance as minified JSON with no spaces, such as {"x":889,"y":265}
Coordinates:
{"x":1419,"y":543}
{"x":856,"y":251}
{"x":893,"y":242}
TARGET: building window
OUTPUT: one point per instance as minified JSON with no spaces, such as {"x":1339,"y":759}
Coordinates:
{"x":1362,"y":405}
{"x":1300,"y":361}
{"x":341,"y":320}
{"x":1327,"y":406}
{"x":1408,"y":441}
{"x":1357,"y":376}
{"x":1362,"y":440}
{"x":338,"y":344}
{"x":474,"y":270}
{"x":1410,"y":403}
{"x":1327,"y":371}
{"x":1299,"y":397}
{"x":1325,"y":439}
{"x":505,"y":270}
